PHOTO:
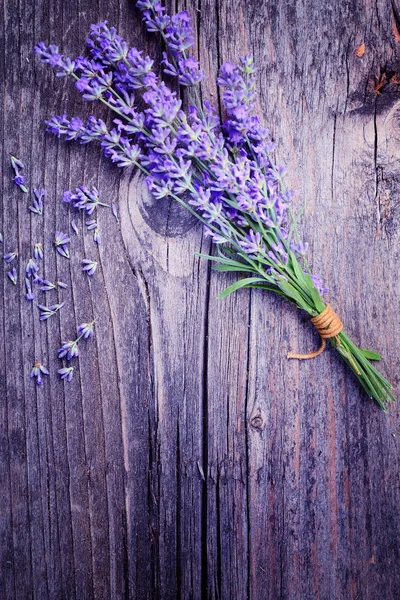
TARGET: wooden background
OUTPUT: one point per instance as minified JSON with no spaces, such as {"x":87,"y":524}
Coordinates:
{"x":188,"y":458}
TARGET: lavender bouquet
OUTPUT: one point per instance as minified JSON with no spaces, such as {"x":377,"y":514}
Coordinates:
{"x":223,"y":173}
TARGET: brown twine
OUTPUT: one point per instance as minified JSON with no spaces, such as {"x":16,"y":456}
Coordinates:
{"x":328,"y":325}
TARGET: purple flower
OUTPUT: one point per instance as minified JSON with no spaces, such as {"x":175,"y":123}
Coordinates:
{"x":37,"y":202}
{"x":10,"y":256}
{"x":90,"y":266}
{"x":16,"y":164}
{"x":38,"y":251}
{"x":74,"y":227}
{"x":60,"y":242}
{"x":29,"y":293}
{"x":12,"y":275}
{"x":91,"y":224}
{"x":37,"y":371}
{"x":66,"y":373}
{"x":46,"y":285}
{"x":19,"y":180}
{"x":31,"y":268}
{"x":50,"y":54}
{"x":48,"y":311}
{"x":97,"y":236}
{"x":69,"y":349}
{"x":84,"y":199}
{"x":189,"y":71}
{"x":253,"y":243}
{"x":317,"y":281}
{"x":86,"y":330}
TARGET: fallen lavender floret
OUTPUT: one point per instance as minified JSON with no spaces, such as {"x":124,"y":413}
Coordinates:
{"x":223,"y":173}
{"x":1,"y":238}
{"x":92,"y":224}
{"x":38,"y":251}
{"x":61,"y":241}
{"x":16,"y":164}
{"x":46,"y":285}
{"x":18,"y":179}
{"x":49,"y":311}
{"x":12,"y":275}
{"x":90,"y":266}
{"x":74,"y":227}
{"x":86,"y":330}
{"x":10,"y":256}
{"x":37,"y":202}
{"x":37,"y":371}
{"x":29,"y":293}
{"x":31,"y":268}
{"x":66,"y":373}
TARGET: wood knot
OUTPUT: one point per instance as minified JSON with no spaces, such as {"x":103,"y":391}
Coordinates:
{"x":258,"y":419}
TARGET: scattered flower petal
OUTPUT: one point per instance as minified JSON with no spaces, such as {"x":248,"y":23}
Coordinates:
{"x":29,"y":293}
{"x":90,"y":266}
{"x":38,"y":251}
{"x":114,"y":212}
{"x":66,"y":373}
{"x":37,"y":371}
{"x":12,"y":275}
{"x":10,"y":256}
{"x":86,"y":330}
{"x":48,"y":311}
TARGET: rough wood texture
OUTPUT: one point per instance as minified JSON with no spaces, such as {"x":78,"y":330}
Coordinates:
{"x":188,"y":458}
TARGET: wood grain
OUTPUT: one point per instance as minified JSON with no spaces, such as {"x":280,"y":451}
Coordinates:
{"x":188,"y":458}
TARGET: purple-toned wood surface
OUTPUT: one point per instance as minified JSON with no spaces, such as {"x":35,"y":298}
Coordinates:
{"x":189,"y":458}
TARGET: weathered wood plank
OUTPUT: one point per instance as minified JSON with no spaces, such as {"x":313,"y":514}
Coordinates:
{"x":188,"y":458}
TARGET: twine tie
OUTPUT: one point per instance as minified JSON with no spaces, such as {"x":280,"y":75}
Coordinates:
{"x":328,"y":325}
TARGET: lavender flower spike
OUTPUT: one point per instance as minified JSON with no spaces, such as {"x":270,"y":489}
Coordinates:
{"x":66,"y":373}
{"x":90,"y":266}
{"x":37,"y":371}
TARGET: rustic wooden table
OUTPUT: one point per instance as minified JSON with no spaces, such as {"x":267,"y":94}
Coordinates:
{"x":188,"y":458}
